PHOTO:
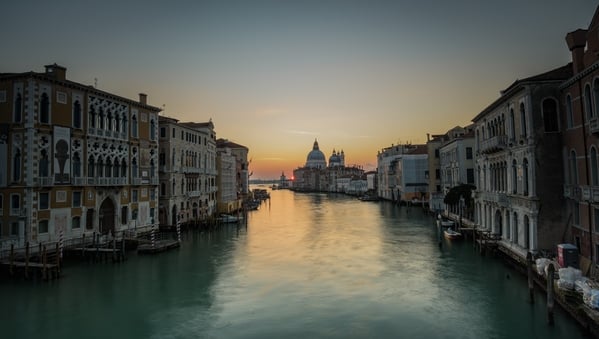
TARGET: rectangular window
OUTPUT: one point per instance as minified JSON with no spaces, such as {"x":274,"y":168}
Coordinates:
{"x":2,"y":96}
{"x":61,"y":97}
{"x":76,"y":223}
{"x":42,"y":226}
{"x":124,"y":212}
{"x":15,"y":204}
{"x":44,"y":202}
{"x":437,"y":153}
{"x":152,"y":194}
{"x":173,"y":135}
{"x":438,"y":173}
{"x":470,"y":175}
{"x":468,"y":152}
{"x":182,"y":135}
{"x":14,"y":228}
{"x":77,"y":199}
{"x":134,"y":195}
{"x":163,"y":132}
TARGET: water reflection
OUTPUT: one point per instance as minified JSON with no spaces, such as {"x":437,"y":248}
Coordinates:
{"x":306,"y":265}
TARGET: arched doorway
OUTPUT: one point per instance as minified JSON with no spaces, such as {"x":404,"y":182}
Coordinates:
{"x":107,"y":215}
{"x":498,"y":223}
{"x":174,"y":215}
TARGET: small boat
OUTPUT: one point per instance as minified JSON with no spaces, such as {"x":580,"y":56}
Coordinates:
{"x":451,"y":234}
{"x":369,"y":198}
{"x":227,"y":218}
{"x":447,"y":223}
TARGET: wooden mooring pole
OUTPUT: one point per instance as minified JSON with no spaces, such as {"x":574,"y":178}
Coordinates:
{"x":550,"y":301}
{"x":531,"y":283}
{"x":12,"y":258}
{"x":27,"y":260}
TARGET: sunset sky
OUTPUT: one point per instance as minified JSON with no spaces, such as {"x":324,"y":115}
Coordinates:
{"x":275,"y":75}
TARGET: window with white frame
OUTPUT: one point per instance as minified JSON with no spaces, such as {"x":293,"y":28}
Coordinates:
{"x":15,"y":204}
{"x":42,"y":226}
{"x":76,"y":223}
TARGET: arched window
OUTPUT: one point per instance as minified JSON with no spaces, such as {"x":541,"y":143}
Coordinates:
{"x":76,"y":165}
{"x":91,"y":167}
{"x":16,"y":166}
{"x":43,"y":164}
{"x":588,"y":103}
{"x":18,"y":108}
{"x":109,"y":121}
{"x":512,"y":124}
{"x":134,"y":168}
{"x":100,"y":168}
{"x":550,"y":118}
{"x":525,"y":176}
{"x":124,"y":123}
{"x":117,"y":123}
{"x":108,"y":168}
{"x":569,"y":113}
{"x":101,"y":119}
{"x":523,"y":121}
{"x":115,"y":168}
{"x":123,"y":169}
{"x":514,"y":176}
{"x":45,"y":109}
{"x":573,"y":168}
{"x":594,"y":174}
{"x":77,"y":114}
{"x":134,"y":126}
{"x":92,"y":118}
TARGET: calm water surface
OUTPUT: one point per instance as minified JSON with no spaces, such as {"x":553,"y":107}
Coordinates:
{"x":305,"y":266}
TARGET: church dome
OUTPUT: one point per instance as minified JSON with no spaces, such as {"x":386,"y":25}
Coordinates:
{"x":316,"y":158}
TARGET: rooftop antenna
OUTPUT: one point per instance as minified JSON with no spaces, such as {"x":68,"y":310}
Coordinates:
{"x":95,"y":82}
{"x":163,"y":109}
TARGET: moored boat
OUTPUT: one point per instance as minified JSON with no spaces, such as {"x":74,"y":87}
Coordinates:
{"x":227,"y":218}
{"x":451,"y":234}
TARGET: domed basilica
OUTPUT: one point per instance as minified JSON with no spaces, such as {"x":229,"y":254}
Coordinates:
{"x":317,"y":176}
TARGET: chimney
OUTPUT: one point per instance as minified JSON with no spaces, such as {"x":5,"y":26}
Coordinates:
{"x":56,"y":71}
{"x":576,"y":41}
{"x":143,"y":98}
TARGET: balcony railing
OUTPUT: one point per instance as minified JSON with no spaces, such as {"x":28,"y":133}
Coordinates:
{"x":494,"y":144}
{"x":78,"y":181}
{"x":45,"y":181}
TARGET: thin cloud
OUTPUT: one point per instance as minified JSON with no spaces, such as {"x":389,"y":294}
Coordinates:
{"x":302,"y":132}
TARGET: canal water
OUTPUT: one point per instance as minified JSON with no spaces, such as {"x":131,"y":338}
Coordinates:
{"x":303,"y":266}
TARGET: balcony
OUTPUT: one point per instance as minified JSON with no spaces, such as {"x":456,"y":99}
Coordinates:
{"x":135,"y":181}
{"x":190,"y":169}
{"x":194,"y":194}
{"x":594,"y":125}
{"x":45,"y":181}
{"x":494,"y":144}
{"x":78,"y":181}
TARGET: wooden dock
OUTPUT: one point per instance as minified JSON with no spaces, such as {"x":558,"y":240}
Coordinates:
{"x":158,"y":246}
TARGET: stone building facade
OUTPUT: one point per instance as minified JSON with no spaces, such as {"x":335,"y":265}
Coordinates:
{"x":74,"y":160}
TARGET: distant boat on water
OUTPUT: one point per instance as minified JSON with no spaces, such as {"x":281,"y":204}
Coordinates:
{"x":227,"y":218}
{"x":451,"y":234}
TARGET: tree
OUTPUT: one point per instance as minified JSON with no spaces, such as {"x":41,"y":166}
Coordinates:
{"x":464,"y":190}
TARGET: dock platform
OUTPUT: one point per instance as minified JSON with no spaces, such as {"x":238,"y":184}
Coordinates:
{"x":159,"y":246}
